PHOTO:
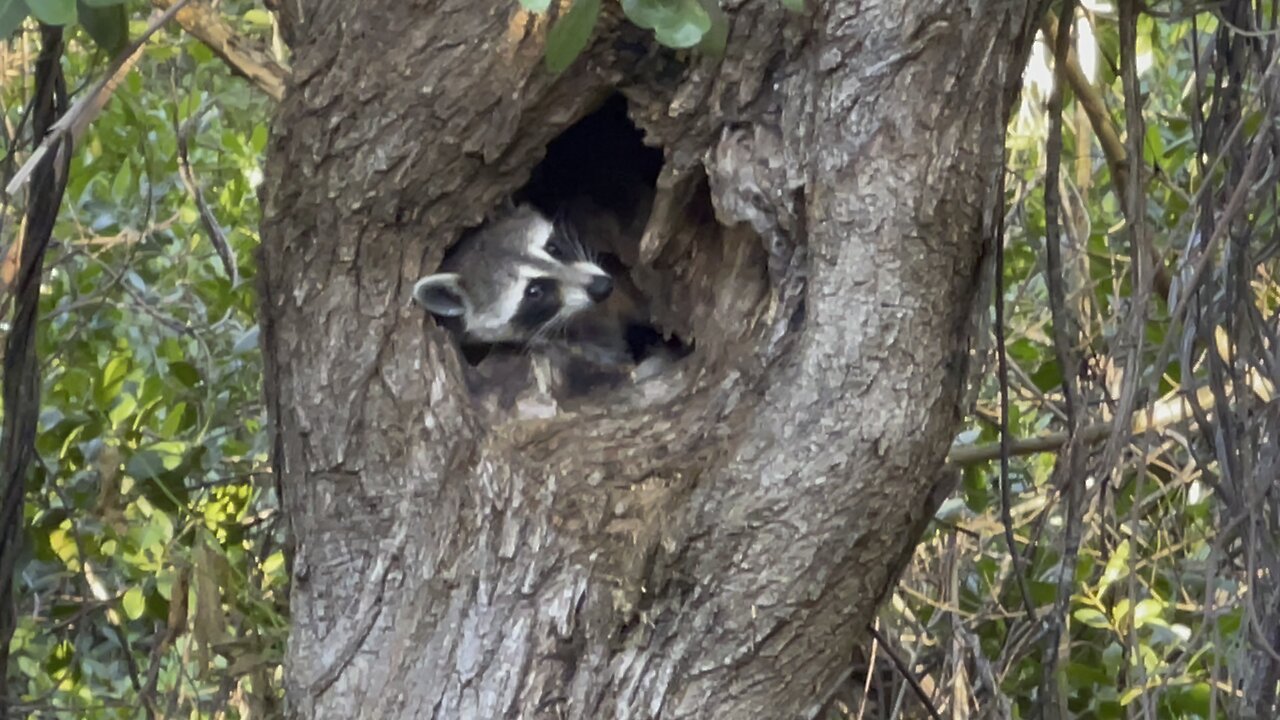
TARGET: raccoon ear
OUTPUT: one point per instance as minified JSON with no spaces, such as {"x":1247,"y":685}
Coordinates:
{"x":441,"y":294}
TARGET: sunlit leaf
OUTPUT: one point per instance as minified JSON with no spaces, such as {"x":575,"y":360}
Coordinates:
{"x":1130,"y":695}
{"x":113,"y":374}
{"x":133,"y":603}
{"x":535,"y":6}
{"x":257,"y":17}
{"x":124,"y":409}
{"x":63,"y":545}
{"x":1120,"y":613}
{"x":1091,"y":617}
{"x":1146,"y":611}
{"x":1116,"y":566}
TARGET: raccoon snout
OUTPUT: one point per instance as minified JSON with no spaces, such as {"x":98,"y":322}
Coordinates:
{"x":599,"y":287}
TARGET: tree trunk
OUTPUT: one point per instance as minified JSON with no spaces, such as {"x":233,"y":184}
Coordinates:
{"x":712,"y":555}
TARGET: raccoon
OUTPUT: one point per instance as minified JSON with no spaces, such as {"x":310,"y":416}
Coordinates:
{"x":523,"y":283}
{"x":515,"y":282}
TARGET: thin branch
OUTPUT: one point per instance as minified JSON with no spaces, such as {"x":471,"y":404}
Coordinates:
{"x":184,"y":130}
{"x":1069,"y":470}
{"x":1166,"y":413}
{"x":1112,"y":147}
{"x":905,"y":672}
{"x":1002,"y":363}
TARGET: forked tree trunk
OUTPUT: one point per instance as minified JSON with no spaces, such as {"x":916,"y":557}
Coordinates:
{"x":716,"y":555}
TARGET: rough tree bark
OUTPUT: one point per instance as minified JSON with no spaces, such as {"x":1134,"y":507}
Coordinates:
{"x":712,"y":556}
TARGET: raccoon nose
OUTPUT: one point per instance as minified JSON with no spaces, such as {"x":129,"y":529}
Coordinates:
{"x":599,"y":287}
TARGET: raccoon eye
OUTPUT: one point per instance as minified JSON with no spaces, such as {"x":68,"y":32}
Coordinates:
{"x":556,"y":250}
{"x":537,"y":289}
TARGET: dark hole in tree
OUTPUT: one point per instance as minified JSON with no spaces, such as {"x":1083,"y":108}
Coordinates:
{"x":602,"y":157}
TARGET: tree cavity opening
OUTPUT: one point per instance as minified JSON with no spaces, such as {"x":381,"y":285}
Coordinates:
{"x":549,"y":299}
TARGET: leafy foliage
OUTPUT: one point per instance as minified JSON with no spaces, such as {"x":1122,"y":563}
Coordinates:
{"x":1140,"y":607}
{"x":677,"y":24}
{"x":154,"y":580}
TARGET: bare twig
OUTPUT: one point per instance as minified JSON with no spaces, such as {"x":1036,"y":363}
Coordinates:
{"x":217,"y":237}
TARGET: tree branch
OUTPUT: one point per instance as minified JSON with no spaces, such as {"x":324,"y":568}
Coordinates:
{"x":207,"y":26}
{"x":1164,"y":414}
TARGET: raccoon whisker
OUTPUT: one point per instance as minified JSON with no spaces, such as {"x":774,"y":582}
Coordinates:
{"x":542,"y":334}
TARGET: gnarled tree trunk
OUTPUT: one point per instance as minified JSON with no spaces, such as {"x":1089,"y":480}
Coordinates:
{"x":712,"y":555}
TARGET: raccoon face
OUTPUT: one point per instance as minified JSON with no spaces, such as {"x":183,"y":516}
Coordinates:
{"x":516,"y":280}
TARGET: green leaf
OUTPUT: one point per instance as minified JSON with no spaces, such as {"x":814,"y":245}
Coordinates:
{"x":1092,"y":618}
{"x":1120,"y":613}
{"x":1048,"y":377}
{"x":173,"y":421}
{"x":1117,"y":565}
{"x":1112,"y":657}
{"x":124,"y":409}
{"x":117,"y":367}
{"x":112,"y":380}
{"x":63,"y":545}
{"x":104,"y":3}
{"x":248,"y":342}
{"x":717,"y":37}
{"x":258,"y":141}
{"x":1148,"y":610}
{"x":257,"y":17}
{"x":675,"y":23}
{"x":535,"y":6}
{"x":186,"y":373}
{"x":12,"y":13}
{"x":122,"y":186}
{"x":134,"y":603}
{"x":794,"y":5}
{"x":149,"y":464}
{"x":108,"y":25}
{"x":568,"y":37}
{"x":647,"y":14}
{"x":685,"y":29}
{"x":53,"y":12}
